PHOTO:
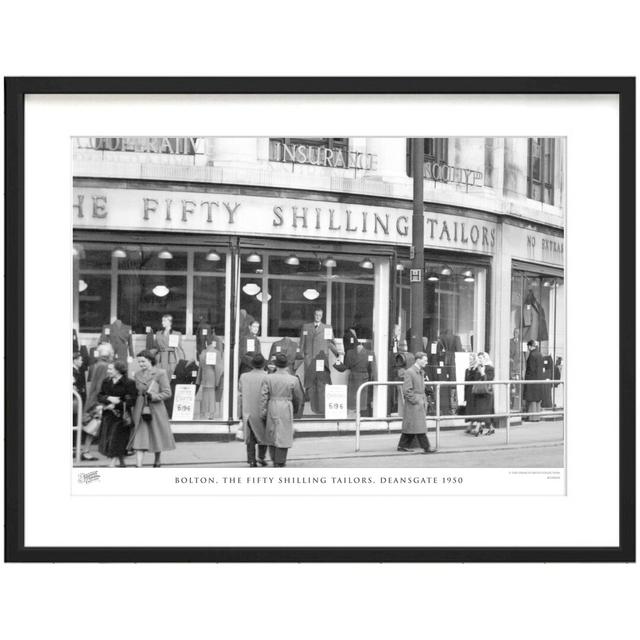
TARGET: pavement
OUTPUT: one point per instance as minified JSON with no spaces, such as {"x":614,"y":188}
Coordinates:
{"x":539,"y":444}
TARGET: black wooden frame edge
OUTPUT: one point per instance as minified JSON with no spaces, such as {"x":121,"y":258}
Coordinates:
{"x":15,"y":90}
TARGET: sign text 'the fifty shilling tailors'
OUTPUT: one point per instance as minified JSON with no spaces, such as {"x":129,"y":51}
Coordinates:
{"x":192,"y":212}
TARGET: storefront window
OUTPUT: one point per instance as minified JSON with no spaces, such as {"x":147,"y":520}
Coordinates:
{"x":144,"y":299}
{"x":284,"y":291}
{"x":454,"y":299}
{"x":537,"y":313}
{"x":94,"y":291}
{"x":126,"y":292}
{"x":454,"y":322}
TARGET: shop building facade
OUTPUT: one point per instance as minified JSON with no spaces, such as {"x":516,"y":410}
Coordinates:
{"x":242,"y":241}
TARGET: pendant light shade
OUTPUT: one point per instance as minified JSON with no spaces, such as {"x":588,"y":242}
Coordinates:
{"x":254,"y":257}
{"x":311,"y":294}
{"x":82,"y":286}
{"x":330,"y":262}
{"x":366,"y":264}
{"x":433,"y":277}
{"x":251,"y":288}
{"x":446,"y":271}
{"x":468,"y":276}
{"x":165,"y":254}
{"x":399,"y":266}
{"x":213,"y":256}
{"x":292,"y":260}
{"x":160,"y":290}
{"x":119,"y":252}
{"x":260,"y":297}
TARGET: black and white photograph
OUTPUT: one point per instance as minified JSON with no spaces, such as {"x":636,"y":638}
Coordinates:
{"x":318,"y":302}
{"x":354,"y":313}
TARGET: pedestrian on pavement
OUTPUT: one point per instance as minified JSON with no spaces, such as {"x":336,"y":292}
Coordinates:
{"x":117,"y":396}
{"x":483,"y":400}
{"x":92,"y":408}
{"x":414,"y":419}
{"x":151,"y":429}
{"x":281,"y":398}
{"x":471,"y":374}
{"x":533,"y":371}
{"x":249,"y":399}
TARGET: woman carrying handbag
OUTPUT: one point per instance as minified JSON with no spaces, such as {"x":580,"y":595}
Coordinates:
{"x":151,"y":429}
{"x":483,"y":394}
{"x":117,"y":396}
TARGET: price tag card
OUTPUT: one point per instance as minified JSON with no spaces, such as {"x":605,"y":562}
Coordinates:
{"x":395,"y":349}
{"x":251,"y":344}
{"x":211,"y":357}
{"x":204,"y":332}
{"x":335,"y":401}
{"x":328,"y":333}
{"x":173,"y":377}
{"x":305,"y":333}
{"x":370,"y":358}
{"x":147,"y":329}
{"x":434,"y":348}
{"x":524,"y":347}
{"x":441,"y":363}
{"x":319,"y":365}
{"x":184,"y":402}
{"x":107,"y":331}
{"x":174,"y":340}
{"x":194,"y":374}
{"x":438,"y":371}
{"x":278,"y":349}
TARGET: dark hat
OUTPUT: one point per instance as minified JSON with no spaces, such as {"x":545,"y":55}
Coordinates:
{"x":257,"y":362}
{"x":281,"y":360}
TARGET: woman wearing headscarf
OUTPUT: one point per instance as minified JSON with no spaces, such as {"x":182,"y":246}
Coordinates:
{"x":151,"y":429}
{"x":483,"y":402}
{"x":117,"y":396}
{"x":471,"y":374}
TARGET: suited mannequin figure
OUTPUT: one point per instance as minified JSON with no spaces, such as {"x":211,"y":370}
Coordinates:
{"x":314,"y":341}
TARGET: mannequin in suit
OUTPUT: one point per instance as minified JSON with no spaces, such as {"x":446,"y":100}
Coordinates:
{"x":290,"y":349}
{"x":210,"y":378}
{"x":315,"y":344}
{"x":118,"y":335}
{"x":168,"y":347}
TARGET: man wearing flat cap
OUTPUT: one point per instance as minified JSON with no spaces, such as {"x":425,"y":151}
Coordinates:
{"x":249,"y":387}
{"x":281,"y":397}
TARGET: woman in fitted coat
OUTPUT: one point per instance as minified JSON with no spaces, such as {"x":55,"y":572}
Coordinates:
{"x":151,"y":428}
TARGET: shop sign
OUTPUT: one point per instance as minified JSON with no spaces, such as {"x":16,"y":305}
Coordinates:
{"x":415,"y":275}
{"x":441,"y":172}
{"x":335,"y":402}
{"x":534,"y":246}
{"x":173,"y":145}
{"x":322,"y":156}
{"x":193,"y":212}
{"x":184,"y":402}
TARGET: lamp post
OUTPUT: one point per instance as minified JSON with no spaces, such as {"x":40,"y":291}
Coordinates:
{"x":417,"y":240}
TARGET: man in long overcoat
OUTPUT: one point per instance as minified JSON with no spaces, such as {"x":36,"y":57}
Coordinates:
{"x":533,"y":393}
{"x":249,"y":398}
{"x":281,"y":397}
{"x":414,"y":418}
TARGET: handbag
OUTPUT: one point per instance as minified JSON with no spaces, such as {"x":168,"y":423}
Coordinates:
{"x":481,"y":389}
{"x":92,"y":427}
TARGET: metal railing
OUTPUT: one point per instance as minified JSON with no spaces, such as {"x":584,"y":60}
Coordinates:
{"x":454,"y":383}
{"x":78,"y":427}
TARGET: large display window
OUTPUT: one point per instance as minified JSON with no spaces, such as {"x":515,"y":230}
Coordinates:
{"x":310,"y":305}
{"x":169,"y":299}
{"x":537,"y":313}
{"x":454,"y":321}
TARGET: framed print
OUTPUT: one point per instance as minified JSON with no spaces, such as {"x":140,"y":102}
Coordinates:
{"x":320,"y":319}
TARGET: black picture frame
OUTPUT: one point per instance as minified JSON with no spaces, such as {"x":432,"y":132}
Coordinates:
{"x":15,"y":91}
